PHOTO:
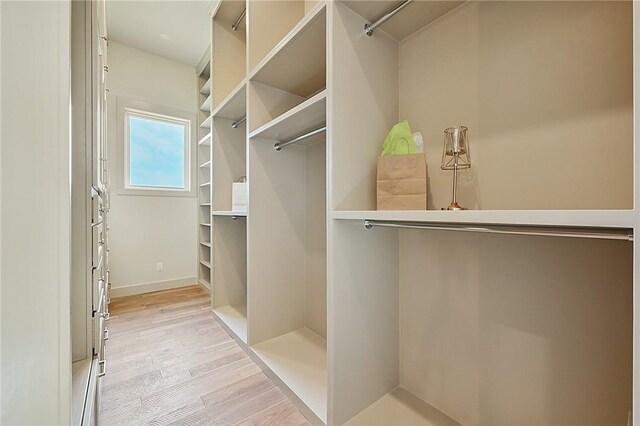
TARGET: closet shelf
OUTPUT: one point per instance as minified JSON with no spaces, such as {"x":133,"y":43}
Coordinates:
{"x":228,"y":213}
{"x":299,"y":359}
{"x":205,"y":184}
{"x":234,"y":317}
{"x":203,"y":68}
{"x":206,"y":244}
{"x":297,"y":64}
{"x":204,"y":224}
{"x":624,"y":219}
{"x":205,"y":263}
{"x":234,"y":106}
{"x":402,"y":408}
{"x":206,"y":124}
{"x":309,"y":115}
{"x":206,"y":105}
{"x":205,"y":164}
{"x":206,"y":140}
{"x":206,"y":87}
{"x":205,"y":204}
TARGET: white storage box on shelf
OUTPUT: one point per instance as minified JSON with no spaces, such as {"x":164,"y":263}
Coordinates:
{"x":239,"y":197}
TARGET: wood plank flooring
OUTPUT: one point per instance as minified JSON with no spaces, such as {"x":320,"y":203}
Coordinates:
{"x":169,"y":362}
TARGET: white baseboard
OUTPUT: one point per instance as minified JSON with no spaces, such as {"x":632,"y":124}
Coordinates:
{"x":149,"y":287}
{"x":205,"y":285}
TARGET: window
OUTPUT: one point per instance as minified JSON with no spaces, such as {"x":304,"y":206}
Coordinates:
{"x":156,"y":152}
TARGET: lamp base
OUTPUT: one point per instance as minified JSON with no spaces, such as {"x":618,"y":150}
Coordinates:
{"x":453,"y":206}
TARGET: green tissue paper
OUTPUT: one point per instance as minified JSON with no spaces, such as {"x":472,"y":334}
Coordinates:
{"x":399,"y":141}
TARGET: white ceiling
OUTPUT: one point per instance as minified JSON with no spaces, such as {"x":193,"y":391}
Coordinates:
{"x":143,"y":24}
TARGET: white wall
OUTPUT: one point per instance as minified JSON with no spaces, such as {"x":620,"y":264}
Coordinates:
{"x":145,"y":230}
{"x":35,"y":198}
{"x":543,"y":323}
{"x":565,"y":106}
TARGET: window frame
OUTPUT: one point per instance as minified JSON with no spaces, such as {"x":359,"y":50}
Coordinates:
{"x":127,"y":108}
{"x":186,"y":124}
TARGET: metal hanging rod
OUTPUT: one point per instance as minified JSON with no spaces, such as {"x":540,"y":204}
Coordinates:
{"x":281,"y":145}
{"x":608,"y":234}
{"x":235,"y":124}
{"x":369,"y":28}
{"x":235,"y":26}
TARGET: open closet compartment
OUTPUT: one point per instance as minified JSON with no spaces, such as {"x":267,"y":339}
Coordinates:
{"x":269,"y":24}
{"x":229,"y":151}
{"x":204,"y":80}
{"x":230,"y":274}
{"x":203,"y":161}
{"x":569,"y":146}
{"x":229,"y":48}
{"x":204,"y":246}
{"x":204,"y":183}
{"x":292,"y":76}
{"x":288,"y":268}
{"x":229,"y":224}
{"x":483,"y":328}
{"x":479,"y":329}
{"x":204,"y":92}
{"x":287,"y":222}
{"x":204,"y":270}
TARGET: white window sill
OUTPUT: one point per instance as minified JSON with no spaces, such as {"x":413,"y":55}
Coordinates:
{"x":156,"y":192}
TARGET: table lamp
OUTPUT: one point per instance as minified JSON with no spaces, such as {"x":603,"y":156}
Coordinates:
{"x":455,"y":156}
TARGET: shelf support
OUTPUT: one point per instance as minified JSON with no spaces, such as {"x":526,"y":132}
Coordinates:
{"x":281,"y":145}
{"x":369,"y":28}
{"x":542,"y":231}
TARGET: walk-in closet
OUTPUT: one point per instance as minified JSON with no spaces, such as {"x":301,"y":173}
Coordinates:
{"x":518,"y":309}
{"x":328,"y":212}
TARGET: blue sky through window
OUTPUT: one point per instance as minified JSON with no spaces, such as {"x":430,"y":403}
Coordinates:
{"x":156,"y":153}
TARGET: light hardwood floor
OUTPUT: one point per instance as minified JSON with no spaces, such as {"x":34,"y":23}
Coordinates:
{"x":169,"y":362}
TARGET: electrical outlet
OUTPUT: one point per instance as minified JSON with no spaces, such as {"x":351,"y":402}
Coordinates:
{"x":159,"y":266}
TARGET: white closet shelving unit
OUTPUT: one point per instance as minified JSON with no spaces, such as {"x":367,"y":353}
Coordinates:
{"x":288,"y":212}
{"x":519,"y":310}
{"x":204,"y":171}
{"x":229,"y":300}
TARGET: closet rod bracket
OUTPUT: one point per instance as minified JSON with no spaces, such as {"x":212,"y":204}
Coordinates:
{"x":369,"y":28}
{"x":236,"y":123}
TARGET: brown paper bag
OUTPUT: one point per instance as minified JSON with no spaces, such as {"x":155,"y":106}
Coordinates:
{"x":402,"y":182}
